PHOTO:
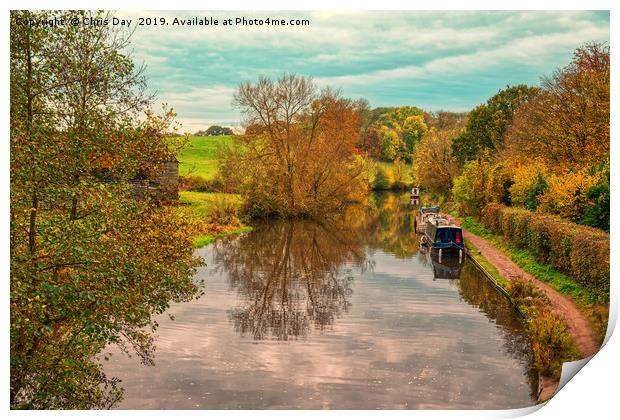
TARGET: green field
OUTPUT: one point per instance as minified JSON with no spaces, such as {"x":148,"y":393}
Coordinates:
{"x":200,"y":156}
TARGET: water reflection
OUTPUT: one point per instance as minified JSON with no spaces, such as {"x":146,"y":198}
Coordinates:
{"x":479,"y":292}
{"x":388,"y":221}
{"x":346,"y":314}
{"x":289,"y":276}
{"x":446,"y":267}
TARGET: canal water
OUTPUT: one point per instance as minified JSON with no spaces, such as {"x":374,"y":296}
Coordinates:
{"x":347,"y":314}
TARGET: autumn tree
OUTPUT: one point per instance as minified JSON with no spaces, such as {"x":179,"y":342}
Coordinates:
{"x":434,"y":166}
{"x":565,"y":130}
{"x":389,"y":133}
{"x":370,"y":143}
{"x":303,"y":163}
{"x":445,"y":119}
{"x":89,"y":264}
{"x":364,"y":113}
{"x":487,"y":123}
{"x":566,"y":125}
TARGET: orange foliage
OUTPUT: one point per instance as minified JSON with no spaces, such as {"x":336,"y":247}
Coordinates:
{"x":567,"y":124}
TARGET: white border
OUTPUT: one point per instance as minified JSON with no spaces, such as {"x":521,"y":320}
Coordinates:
{"x":591,"y":394}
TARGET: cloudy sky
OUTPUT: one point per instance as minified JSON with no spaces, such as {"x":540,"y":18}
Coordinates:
{"x":434,"y":60}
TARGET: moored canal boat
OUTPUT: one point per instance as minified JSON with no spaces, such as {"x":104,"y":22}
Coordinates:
{"x":422,"y":215}
{"x":442,"y":236}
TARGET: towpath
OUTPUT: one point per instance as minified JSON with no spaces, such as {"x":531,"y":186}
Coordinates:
{"x":578,"y":325}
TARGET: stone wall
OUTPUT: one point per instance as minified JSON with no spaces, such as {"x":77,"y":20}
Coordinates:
{"x":161,"y":184}
{"x":167,"y":181}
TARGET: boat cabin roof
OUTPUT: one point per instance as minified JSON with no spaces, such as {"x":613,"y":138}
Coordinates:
{"x":441,"y":222}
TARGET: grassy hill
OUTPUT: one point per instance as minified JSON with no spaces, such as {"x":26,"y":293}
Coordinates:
{"x":199,"y":158}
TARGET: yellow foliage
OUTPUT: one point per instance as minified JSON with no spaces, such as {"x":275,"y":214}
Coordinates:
{"x":567,"y":195}
{"x":434,"y":167}
{"x":523,"y":177}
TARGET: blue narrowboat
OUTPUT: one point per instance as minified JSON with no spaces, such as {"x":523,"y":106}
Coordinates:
{"x":443,"y":236}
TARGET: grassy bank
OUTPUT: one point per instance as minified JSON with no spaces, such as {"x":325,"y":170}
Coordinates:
{"x":200,"y":156}
{"x":587,"y":302}
{"x":552,"y":343}
{"x":490,"y":268}
{"x":206,"y":239}
{"x":212,"y":215}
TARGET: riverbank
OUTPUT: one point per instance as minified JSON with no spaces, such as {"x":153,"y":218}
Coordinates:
{"x":572,"y":308}
{"x":211,"y":215}
{"x":550,"y":280}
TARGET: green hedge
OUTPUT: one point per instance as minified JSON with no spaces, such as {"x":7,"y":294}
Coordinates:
{"x":580,"y":252}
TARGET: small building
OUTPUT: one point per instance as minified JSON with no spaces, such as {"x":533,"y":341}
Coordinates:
{"x":159,"y":182}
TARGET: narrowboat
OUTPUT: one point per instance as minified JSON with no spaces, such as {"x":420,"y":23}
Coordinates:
{"x":442,"y":236}
{"x":422,"y":215}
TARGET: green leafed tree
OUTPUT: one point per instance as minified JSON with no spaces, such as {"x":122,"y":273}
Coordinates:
{"x":90,"y":265}
{"x":395,"y":117}
{"x":391,"y":144}
{"x":413,"y":131}
{"x":598,"y":214}
{"x":216,"y":130}
{"x":487,"y":122}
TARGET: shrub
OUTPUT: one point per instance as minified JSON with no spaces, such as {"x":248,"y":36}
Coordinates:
{"x":527,"y":297}
{"x":223,"y":211}
{"x":192,"y":183}
{"x":381,"y":182}
{"x":589,"y":260}
{"x":200,"y":184}
{"x":491,"y":216}
{"x":578,"y":251}
{"x":538,"y":188}
{"x":552,"y":344}
{"x":567,"y":195}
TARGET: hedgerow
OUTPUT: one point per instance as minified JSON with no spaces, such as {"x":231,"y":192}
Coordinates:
{"x":580,"y":252}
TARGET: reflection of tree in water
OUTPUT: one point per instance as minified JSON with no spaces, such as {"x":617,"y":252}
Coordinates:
{"x":479,"y":292}
{"x":290,"y":274}
{"x":389,"y":225}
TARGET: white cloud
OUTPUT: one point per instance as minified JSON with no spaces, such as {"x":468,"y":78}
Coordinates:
{"x":534,"y":49}
{"x":362,"y":51}
{"x":200,"y":107}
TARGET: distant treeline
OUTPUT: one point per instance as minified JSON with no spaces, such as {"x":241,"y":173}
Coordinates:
{"x":215,"y":130}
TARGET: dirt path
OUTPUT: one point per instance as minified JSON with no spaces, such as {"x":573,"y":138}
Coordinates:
{"x":578,"y":325}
